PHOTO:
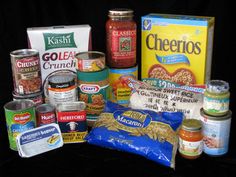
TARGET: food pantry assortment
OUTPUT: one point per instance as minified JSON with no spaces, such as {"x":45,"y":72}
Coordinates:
{"x":176,"y":106}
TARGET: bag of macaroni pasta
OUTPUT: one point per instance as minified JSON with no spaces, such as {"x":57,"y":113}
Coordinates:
{"x":146,"y":133}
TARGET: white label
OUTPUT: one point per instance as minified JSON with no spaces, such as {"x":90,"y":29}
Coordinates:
{"x":190,"y":148}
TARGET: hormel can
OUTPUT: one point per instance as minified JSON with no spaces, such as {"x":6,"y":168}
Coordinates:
{"x":57,"y":46}
{"x":45,"y":114}
{"x":20,"y":116}
{"x":71,"y":117}
{"x":93,"y":90}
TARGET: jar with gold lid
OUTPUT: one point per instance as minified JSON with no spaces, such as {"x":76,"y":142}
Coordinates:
{"x":191,"y":139}
{"x":121,"y":38}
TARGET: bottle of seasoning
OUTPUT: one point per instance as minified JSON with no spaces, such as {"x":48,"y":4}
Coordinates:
{"x":216,"y":98}
{"x":191,"y":139}
{"x":121,"y":38}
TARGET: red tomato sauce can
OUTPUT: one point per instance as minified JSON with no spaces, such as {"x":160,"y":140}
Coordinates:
{"x":45,"y":114}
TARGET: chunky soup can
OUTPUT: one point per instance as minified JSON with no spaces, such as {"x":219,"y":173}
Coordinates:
{"x":26,"y":71}
{"x":216,"y":132}
{"x":20,"y":116}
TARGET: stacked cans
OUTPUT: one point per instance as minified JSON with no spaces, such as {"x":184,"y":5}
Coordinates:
{"x":216,"y":118}
{"x":26,"y":75}
{"x":93,"y":83}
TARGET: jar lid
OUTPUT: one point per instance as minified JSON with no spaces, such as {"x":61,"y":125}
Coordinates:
{"x":192,"y":125}
{"x":61,"y":81}
{"x":120,"y":12}
{"x":217,"y":86}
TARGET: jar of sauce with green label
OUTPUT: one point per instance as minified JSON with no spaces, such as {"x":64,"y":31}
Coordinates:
{"x":191,"y":139}
{"x":216,"y":98}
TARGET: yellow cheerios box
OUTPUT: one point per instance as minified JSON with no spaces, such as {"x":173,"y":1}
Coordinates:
{"x":177,"y":48}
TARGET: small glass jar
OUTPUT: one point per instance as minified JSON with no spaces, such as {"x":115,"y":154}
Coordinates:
{"x":191,"y":139}
{"x":216,"y":98}
{"x":121,"y":34}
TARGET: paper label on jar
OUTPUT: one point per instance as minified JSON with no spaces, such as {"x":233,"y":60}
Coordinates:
{"x":39,"y":140}
{"x":123,"y":44}
{"x":190,"y":148}
{"x":216,"y":105}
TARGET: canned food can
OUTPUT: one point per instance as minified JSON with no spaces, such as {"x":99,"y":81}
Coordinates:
{"x":26,"y":71}
{"x":45,"y":114}
{"x":93,"y":89}
{"x":71,"y":118}
{"x":62,"y":88}
{"x":37,"y":98}
{"x":90,"y":61}
{"x":216,"y":132}
{"x":120,"y":91}
{"x":20,"y":116}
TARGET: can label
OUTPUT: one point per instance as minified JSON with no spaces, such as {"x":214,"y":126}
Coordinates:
{"x":27,"y":75}
{"x":93,"y":95}
{"x":17,"y":122}
{"x":120,"y":91}
{"x":73,"y":125}
{"x":45,"y":118}
{"x":216,"y":136}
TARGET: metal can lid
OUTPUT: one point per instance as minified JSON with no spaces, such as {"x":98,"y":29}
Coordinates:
{"x":44,"y":108}
{"x":18,"y":105}
{"x":24,"y":53}
{"x":89,"y":55}
{"x":120,"y":12}
{"x":61,"y":81}
{"x":71,"y":106}
{"x":228,"y":115}
{"x":192,"y":125}
{"x":27,"y":96}
{"x":217,"y":86}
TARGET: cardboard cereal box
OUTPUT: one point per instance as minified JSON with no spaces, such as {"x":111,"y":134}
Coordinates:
{"x":177,"y":48}
{"x":57,"y":46}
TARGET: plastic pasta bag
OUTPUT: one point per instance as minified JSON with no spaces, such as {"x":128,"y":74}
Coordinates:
{"x":147,"y":133}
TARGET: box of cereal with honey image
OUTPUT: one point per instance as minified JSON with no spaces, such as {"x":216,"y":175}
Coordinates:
{"x":177,"y":48}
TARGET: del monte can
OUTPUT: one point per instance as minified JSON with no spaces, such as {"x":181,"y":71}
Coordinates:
{"x":20,"y":116}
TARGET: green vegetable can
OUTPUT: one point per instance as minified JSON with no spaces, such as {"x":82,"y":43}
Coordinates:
{"x":20,"y":116}
{"x":216,"y":98}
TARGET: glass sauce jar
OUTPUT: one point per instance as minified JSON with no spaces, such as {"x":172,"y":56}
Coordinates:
{"x":191,"y":139}
{"x":216,"y":98}
{"x":121,"y":32}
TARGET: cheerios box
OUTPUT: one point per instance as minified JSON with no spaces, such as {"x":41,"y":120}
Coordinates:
{"x":177,"y":48}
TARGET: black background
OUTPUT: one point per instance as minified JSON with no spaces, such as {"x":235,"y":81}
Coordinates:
{"x":88,"y":160}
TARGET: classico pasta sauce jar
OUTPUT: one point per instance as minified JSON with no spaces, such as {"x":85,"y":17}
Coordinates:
{"x":191,"y":139}
{"x":121,"y":38}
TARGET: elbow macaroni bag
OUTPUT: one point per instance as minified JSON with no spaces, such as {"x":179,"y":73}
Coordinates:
{"x":146,"y":133}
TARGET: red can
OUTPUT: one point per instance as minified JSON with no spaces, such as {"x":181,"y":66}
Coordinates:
{"x":121,"y":38}
{"x":26,"y":71}
{"x":45,"y":114}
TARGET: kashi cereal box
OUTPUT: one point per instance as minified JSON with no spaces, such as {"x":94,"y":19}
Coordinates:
{"x":57,"y":46}
{"x":177,"y":48}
